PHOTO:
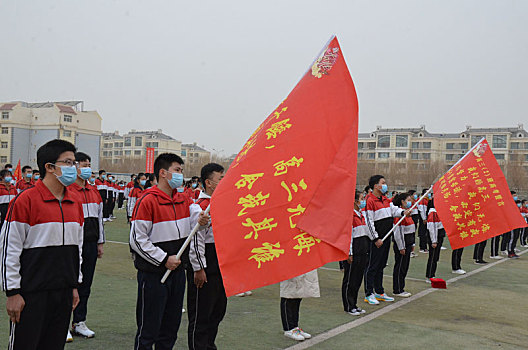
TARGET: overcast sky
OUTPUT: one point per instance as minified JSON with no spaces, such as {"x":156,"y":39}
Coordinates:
{"x":211,"y":71}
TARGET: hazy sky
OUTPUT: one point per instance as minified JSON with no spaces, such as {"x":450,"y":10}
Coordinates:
{"x":211,"y":71}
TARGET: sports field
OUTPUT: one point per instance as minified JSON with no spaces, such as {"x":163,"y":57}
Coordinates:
{"x":486,"y":309}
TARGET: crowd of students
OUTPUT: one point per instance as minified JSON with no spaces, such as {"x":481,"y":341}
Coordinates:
{"x":53,"y":233}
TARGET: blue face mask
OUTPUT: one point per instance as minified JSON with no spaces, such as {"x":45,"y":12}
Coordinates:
{"x":69,"y":174}
{"x":92,"y":181}
{"x":519,"y":205}
{"x":180,"y":190}
{"x":37,"y":177}
{"x":142,"y":182}
{"x":362,"y":204}
{"x":409,"y":204}
{"x":515,"y":198}
{"x":86,"y":173}
{"x":415,"y":197}
{"x":29,"y":175}
{"x":194,"y":185}
{"x":103,"y":177}
{"x":8,"y":179}
{"x":384,"y":188}
{"x":429,"y":196}
{"x":176,"y":180}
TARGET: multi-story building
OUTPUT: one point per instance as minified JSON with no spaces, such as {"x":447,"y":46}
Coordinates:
{"x":193,"y":154}
{"x":27,"y":126}
{"x":117,"y":149}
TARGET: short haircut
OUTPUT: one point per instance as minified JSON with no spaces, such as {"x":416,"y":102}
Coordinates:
{"x":513,"y":192}
{"x":374,"y":180}
{"x":411,"y":192}
{"x":366,"y":189}
{"x":8,"y":166}
{"x":424,"y":190}
{"x":4,"y":173}
{"x":164,"y":161}
{"x":82,"y":157}
{"x":132,"y":176}
{"x":26,"y":167}
{"x":101,"y":172}
{"x":208,"y":170}
{"x":357,"y":195}
{"x":36,"y":172}
{"x":50,"y":152}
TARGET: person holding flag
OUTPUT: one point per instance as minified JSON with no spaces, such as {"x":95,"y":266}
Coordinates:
{"x":403,"y":245}
{"x":436,"y":237}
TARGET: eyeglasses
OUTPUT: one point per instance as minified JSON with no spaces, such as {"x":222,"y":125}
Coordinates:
{"x":68,"y":162}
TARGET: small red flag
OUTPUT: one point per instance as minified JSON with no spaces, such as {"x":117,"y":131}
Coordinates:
{"x":18,"y":172}
{"x":149,"y":162}
{"x":284,"y":207}
{"x":473,"y":200}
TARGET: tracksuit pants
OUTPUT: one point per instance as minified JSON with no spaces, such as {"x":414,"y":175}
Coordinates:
{"x":3,"y":212}
{"x":505,"y":241}
{"x":422,"y":234}
{"x":43,"y":322}
{"x":120,"y":200}
{"x":374,"y":272}
{"x":478,"y":251}
{"x":353,"y":274}
{"x":456,"y":257}
{"x":206,"y":308}
{"x":495,"y":243}
{"x":159,"y":309}
{"x":524,"y":235}
{"x":290,"y":313}
{"x":106,"y":206}
{"x":89,"y":259}
{"x":514,"y":237}
{"x":401,"y":264}
{"x":434,"y":255}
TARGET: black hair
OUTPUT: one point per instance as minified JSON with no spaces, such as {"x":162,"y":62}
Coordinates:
{"x":132,"y":176}
{"x":430,"y":205}
{"x":357,"y":195}
{"x":82,"y":157}
{"x":101,"y":172}
{"x":4,"y":173}
{"x":411,"y":192}
{"x":36,"y":171}
{"x":366,"y":189}
{"x":513,"y":192}
{"x":26,"y":167}
{"x":208,"y":170}
{"x":399,"y":198}
{"x":8,"y":165}
{"x":424,"y":190}
{"x":50,"y":152}
{"x":374,"y":180}
{"x":164,"y":161}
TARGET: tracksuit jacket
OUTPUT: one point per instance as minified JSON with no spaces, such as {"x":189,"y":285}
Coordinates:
{"x":406,"y":228}
{"x":379,"y":215}
{"x":41,"y":242}
{"x":359,"y":228}
{"x":202,"y":254}
{"x":434,"y":225}
{"x":23,"y":184}
{"x":92,"y":205}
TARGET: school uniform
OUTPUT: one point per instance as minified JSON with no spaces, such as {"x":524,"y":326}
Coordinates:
{"x":478,"y":250}
{"x":121,"y":196}
{"x":93,"y":234}
{"x":206,"y":306}
{"x":7,"y":193}
{"x":353,"y":274}
{"x":524,"y":230}
{"x":129,"y":186}
{"x":40,"y":260}
{"x":23,"y":184}
{"x":134,"y":195}
{"x":436,"y":235}
{"x":102,"y":187}
{"x":456,"y":258}
{"x":112,"y":195}
{"x":403,"y":239}
{"x":160,"y":225}
{"x":422,"y":229}
{"x":514,"y":237}
{"x":380,"y":213}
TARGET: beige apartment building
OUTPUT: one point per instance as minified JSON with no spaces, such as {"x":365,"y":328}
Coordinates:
{"x":193,"y":154}
{"x":27,"y":126}
{"x":117,"y":149}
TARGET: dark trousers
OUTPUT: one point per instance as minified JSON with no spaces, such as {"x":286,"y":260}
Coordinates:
{"x":422,"y":235}
{"x":434,"y":256}
{"x":514,"y":237}
{"x":401,"y":264}
{"x":478,"y":251}
{"x":120,"y":200}
{"x":3,"y":212}
{"x":374,"y":272}
{"x":106,"y":206}
{"x":290,"y":313}
{"x":456,"y":257}
{"x":206,"y":308}
{"x":505,"y":241}
{"x":159,"y":309}
{"x":353,"y":274}
{"x":495,"y":242}
{"x":111,"y":205}
{"x":43,"y":321}
{"x":524,"y":235}
{"x":89,"y":259}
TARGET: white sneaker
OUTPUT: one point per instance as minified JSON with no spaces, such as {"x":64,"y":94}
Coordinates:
{"x":403,"y":295}
{"x":517,"y":250}
{"x":371,"y":299}
{"x":496,"y":257}
{"x":69,"y":337}
{"x":248,"y":293}
{"x":81,"y":329}
{"x":183,"y":310}
{"x":504,"y":252}
{"x":413,"y":255}
{"x":241,"y":295}
{"x":459,"y":272}
{"x":427,"y":280}
{"x":303,"y":333}
{"x":443,"y":248}
{"x":294,"y":334}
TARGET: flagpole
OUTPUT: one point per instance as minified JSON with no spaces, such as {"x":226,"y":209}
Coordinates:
{"x":185,"y":244}
{"x":411,"y":208}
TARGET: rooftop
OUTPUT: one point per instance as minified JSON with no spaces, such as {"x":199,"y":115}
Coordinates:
{"x":194,"y":146}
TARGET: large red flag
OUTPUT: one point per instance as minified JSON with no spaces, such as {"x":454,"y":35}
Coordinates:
{"x":284,"y":207}
{"x":473,"y":200}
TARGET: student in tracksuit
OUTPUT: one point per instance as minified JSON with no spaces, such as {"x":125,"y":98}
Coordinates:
{"x":524,"y":230}
{"x":506,"y":236}
{"x":354,"y":267}
{"x":403,"y":246}
{"x":135,"y":194}
{"x":380,"y":213}
{"x":27,"y":179}
{"x":206,"y":297}
{"x":436,"y":238}
{"x":160,"y":224}
{"x":7,"y":192}
{"x":100,"y":183}
{"x":514,"y":236}
{"x":93,"y":240}
{"x":422,"y":229}
{"x":456,"y":258}
{"x":478,"y":253}
{"x":121,"y":197}
{"x":41,"y":253}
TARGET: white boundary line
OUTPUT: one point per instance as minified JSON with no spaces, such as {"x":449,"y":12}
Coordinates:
{"x":406,"y":278}
{"x":358,"y":322}
{"x":117,"y":242}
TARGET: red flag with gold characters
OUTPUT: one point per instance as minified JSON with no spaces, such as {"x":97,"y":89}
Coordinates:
{"x":285,"y":205}
{"x":473,"y":200}
{"x":18,"y":172}
{"x":149,"y":160}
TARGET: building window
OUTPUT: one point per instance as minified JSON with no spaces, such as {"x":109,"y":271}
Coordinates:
{"x":514,"y":145}
{"x":105,"y":153}
{"x":499,"y":156}
{"x":426,"y":145}
{"x":5,"y":115}
{"x":184,"y":153}
{"x":426,"y":155}
{"x":475,"y":139}
{"x":499,"y":141}
{"x":128,"y":141}
{"x":384,"y":141}
{"x":5,"y":130}
{"x":155,"y":153}
{"x":402,"y":140}
{"x":118,"y":153}
{"x":4,"y":145}
{"x":107,"y":145}
{"x":415,"y":145}
{"x":68,"y":118}
{"x":449,"y":156}
{"x":415,"y":155}
{"x":137,"y":153}
{"x":360,"y":155}
{"x":3,"y":159}
{"x":450,"y":146}
{"x":152,"y":145}
{"x":360,"y":145}
{"x":401,"y":155}
{"x":128,"y":153}
{"x":371,"y":145}
{"x":383,"y":155}
{"x":371,"y":155}
{"x":66,"y":133}
{"x":464,"y":145}
{"x":138,"y":141}
{"x":118,"y":144}
{"x":525,"y":158}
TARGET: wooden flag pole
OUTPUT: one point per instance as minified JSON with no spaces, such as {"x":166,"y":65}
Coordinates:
{"x":411,"y":208}
{"x":184,"y":246}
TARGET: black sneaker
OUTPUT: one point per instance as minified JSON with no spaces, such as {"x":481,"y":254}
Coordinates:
{"x":480,"y":262}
